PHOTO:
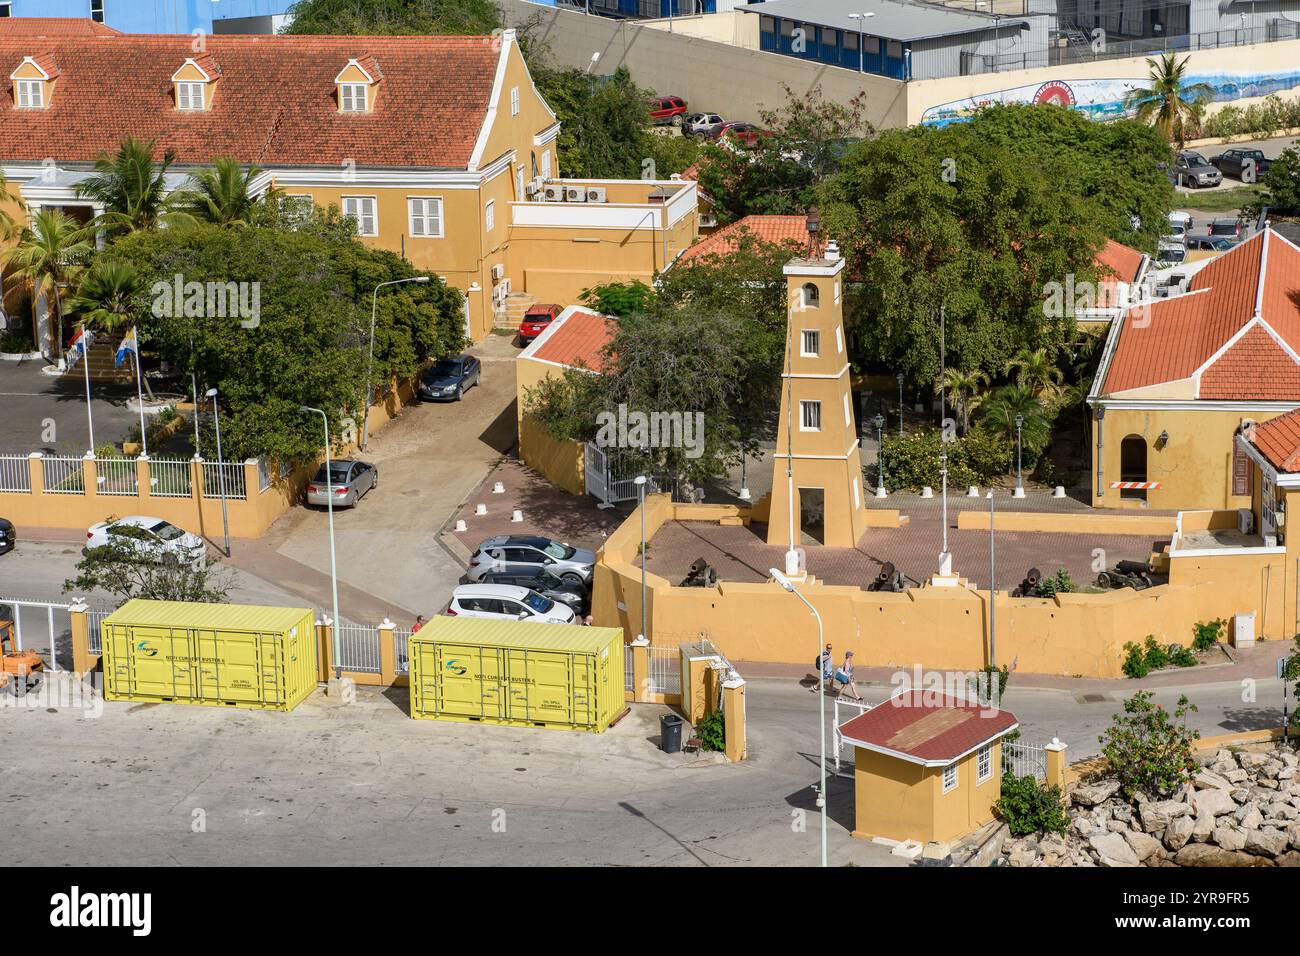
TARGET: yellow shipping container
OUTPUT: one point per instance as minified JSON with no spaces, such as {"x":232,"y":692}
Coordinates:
{"x":517,"y":673}
{"x":233,"y":655}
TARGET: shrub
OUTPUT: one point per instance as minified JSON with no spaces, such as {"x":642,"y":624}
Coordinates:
{"x":1149,"y":750}
{"x":1268,"y":116}
{"x":1157,"y":656}
{"x":712,"y":731}
{"x":1029,"y":807}
{"x":1182,"y":657}
{"x":1135,"y":662}
{"x":1205,"y":634}
{"x":1058,"y":583}
{"x":973,"y":459}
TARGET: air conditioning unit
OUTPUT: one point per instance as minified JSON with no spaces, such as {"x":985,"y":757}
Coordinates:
{"x":500,"y":294}
{"x":596,"y":194}
{"x":575,"y":194}
{"x":535,"y":185}
{"x":1245,"y":521}
{"x":553,"y":193}
{"x":498,"y":272}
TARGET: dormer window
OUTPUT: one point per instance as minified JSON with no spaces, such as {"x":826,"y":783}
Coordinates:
{"x":31,"y":94}
{"x":194,"y":83}
{"x":33,"y":82}
{"x":356,"y":85}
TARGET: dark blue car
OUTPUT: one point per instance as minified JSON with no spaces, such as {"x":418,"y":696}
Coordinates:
{"x":450,"y":379}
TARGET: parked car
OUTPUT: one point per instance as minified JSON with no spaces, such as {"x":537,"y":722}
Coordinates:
{"x":532,"y":553}
{"x":1180,"y":224}
{"x":741,"y":134}
{"x":707,"y":125}
{"x":667,"y":109}
{"x":347,"y":478}
{"x":1232,"y":162}
{"x":450,"y":379}
{"x":8,"y":537}
{"x":1226,"y":227}
{"x":1194,"y":170}
{"x":504,"y":602}
{"x":545,"y":583}
{"x":1210,"y":243}
{"x":1171,"y":253}
{"x":535,"y":321}
{"x":154,"y":536}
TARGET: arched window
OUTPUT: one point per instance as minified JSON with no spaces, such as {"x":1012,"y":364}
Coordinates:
{"x":1133,"y":465}
{"x":811,"y":297}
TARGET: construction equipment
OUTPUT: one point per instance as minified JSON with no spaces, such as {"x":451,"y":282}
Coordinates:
{"x":889,"y":579}
{"x":700,"y":575}
{"x":1029,"y":586}
{"x":1127,"y":574}
{"x":20,"y":667}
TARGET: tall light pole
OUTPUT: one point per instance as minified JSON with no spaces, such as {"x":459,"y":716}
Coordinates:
{"x":329,"y":504}
{"x":879,"y":422}
{"x":993,"y":591}
{"x":900,"y":404}
{"x":640,"y":488}
{"x":221,"y":469}
{"x":370,"y":362}
{"x":788,"y":585}
{"x":1020,"y":484}
{"x":862,"y":20}
{"x":945,"y":560}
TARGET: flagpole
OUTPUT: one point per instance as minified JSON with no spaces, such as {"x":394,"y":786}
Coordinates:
{"x":139,"y":397}
{"x":85,"y":366}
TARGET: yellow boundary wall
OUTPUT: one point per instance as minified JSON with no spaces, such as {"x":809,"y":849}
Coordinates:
{"x":1072,"y":634}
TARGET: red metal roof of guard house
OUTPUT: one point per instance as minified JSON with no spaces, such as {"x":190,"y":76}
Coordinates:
{"x":54,"y":26}
{"x":927,"y":727}
{"x":275,"y":103}
{"x":1235,"y":333}
{"x":1278,"y":440}
{"x":576,"y":338}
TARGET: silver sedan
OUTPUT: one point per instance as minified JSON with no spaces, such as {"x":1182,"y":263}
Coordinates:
{"x":345,"y":483}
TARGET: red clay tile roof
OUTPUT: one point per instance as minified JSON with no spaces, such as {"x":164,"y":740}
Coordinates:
{"x":1172,"y":339}
{"x":774,"y":229}
{"x":54,"y":26}
{"x":575,"y":338}
{"x":927,"y":727}
{"x":274,"y":105}
{"x":1278,"y":440}
{"x":1119,"y":261}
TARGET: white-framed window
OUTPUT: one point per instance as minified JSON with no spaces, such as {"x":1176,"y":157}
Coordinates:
{"x":810,"y":296}
{"x":189,"y":95}
{"x":810,"y":416}
{"x":96,"y":10}
{"x":490,"y":215}
{"x":950,"y":778}
{"x":848,"y":410}
{"x":984,"y":763}
{"x":31,"y":94}
{"x":837,"y":291}
{"x":839,"y":339}
{"x":424,"y":216}
{"x":546,"y":164}
{"x":810,"y":343}
{"x":362,"y":209}
{"x":514,"y":101}
{"x":6,"y":9}
{"x":519,"y":184}
{"x":856,"y":485}
{"x":353,"y":97}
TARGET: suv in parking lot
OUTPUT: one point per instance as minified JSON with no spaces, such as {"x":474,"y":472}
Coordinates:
{"x":532,"y":553}
{"x":667,"y":109}
{"x":1232,"y":162}
{"x":1194,"y":170}
{"x":707,"y":125}
{"x":535,"y":321}
{"x":503,"y":602}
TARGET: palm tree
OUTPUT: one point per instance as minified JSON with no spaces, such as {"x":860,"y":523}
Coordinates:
{"x":1036,"y":372}
{"x":964,"y":392}
{"x":133,"y":189}
{"x":220,"y":194}
{"x":108,"y":296}
{"x":49,"y":254}
{"x":1174,"y":108}
{"x":999,"y":413}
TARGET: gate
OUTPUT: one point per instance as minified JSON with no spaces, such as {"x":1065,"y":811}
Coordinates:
{"x":358,"y":648}
{"x":608,"y":480}
{"x":1024,"y":760}
{"x":845,"y":710}
{"x":41,"y":626}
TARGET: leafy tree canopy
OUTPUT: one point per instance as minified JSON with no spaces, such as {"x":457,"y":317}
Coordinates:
{"x":128,"y":568}
{"x":396,"y":17}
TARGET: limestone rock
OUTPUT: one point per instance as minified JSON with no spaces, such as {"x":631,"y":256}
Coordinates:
{"x":1209,"y":780}
{"x":1157,"y":814}
{"x":1269,"y":841}
{"x":1090,"y":795}
{"x":1248,"y":816}
{"x":1179,"y":832}
{"x":1113,"y":850}
{"x":1229,"y":838}
{"x":1207,"y":854}
{"x":1144,"y":846}
{"x":1213,"y":802}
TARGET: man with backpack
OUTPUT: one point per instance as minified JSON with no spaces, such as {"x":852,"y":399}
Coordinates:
{"x":825,"y":664}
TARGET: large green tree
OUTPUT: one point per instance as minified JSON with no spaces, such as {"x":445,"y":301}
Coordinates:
{"x":399,"y":17}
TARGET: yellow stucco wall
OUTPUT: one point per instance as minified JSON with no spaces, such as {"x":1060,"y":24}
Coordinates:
{"x":900,"y":800}
{"x":560,"y":462}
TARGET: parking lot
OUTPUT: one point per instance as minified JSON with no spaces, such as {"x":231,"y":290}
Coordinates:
{"x":48,"y":413}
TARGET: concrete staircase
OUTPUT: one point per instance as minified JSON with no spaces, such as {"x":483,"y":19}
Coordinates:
{"x":517,"y":304}
{"x":103,"y":351}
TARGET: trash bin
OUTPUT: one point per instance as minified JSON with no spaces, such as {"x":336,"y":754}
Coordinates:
{"x":670,"y":734}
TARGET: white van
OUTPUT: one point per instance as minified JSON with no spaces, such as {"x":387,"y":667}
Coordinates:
{"x":507,"y":602}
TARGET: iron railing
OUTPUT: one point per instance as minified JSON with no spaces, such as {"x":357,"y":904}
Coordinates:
{"x":171,"y":477}
{"x":358,"y":648}
{"x":116,"y":476}
{"x":665,"y":670}
{"x":15,"y":474}
{"x":64,"y":475}
{"x":1024,"y":760}
{"x":233,"y":473}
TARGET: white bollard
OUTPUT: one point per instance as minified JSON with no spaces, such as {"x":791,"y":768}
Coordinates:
{"x":499,"y":488}
{"x":480,"y":509}
{"x":517,"y":516}
{"x":744,"y":494}
{"x":460,"y":525}
{"x":1018,"y":493}
{"x":881,"y":492}
{"x":927,"y":492}
{"x":972,"y":492}
{"x":1059,"y":492}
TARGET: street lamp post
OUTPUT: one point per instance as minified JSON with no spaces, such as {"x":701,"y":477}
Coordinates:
{"x":1020,"y":484}
{"x":788,"y":585}
{"x":993,"y":591}
{"x":945,"y":560}
{"x":900,"y":404}
{"x":221,"y":468}
{"x":329,"y":504}
{"x":640,"y":488}
{"x":370,"y":362}
{"x":862,"y":19}
{"x":879,"y":422}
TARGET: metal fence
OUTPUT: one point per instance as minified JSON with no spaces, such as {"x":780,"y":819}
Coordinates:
{"x":170,"y":478}
{"x":845,"y":710}
{"x":233,"y":473}
{"x":95,"y":642}
{"x":116,"y":476}
{"x":358,"y":648}
{"x":629,"y":669}
{"x":15,"y":473}
{"x":665,"y":670}
{"x":1024,"y":760}
{"x":401,"y":662}
{"x":64,"y":476}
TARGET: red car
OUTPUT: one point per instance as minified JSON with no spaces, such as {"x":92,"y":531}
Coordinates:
{"x":535,"y":321}
{"x":667,"y":109}
{"x":741,"y":134}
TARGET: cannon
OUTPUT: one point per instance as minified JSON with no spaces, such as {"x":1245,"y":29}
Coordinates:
{"x":701,"y":574}
{"x":1029,"y":586}
{"x":1126,"y":574}
{"x":889,"y":579}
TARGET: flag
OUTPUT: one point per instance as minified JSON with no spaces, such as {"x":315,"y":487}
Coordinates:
{"x":129,"y":344}
{"x":80,"y":345}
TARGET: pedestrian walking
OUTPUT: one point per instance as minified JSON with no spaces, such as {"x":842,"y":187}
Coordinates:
{"x":419,"y":623}
{"x":825,"y":665}
{"x":844,"y":678}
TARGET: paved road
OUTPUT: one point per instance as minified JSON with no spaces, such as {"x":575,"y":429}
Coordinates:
{"x":48,"y":413}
